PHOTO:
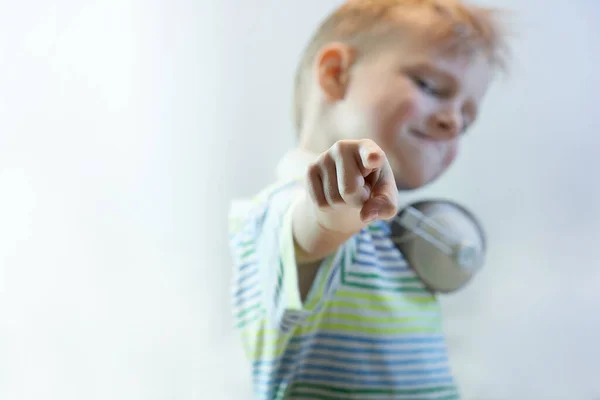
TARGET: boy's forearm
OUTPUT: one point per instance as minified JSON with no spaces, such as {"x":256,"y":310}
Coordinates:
{"x":312,"y":240}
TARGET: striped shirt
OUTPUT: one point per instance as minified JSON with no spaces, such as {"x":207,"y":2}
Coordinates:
{"x":369,"y":329}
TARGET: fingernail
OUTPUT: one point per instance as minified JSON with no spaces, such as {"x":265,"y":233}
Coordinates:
{"x":372,"y":216}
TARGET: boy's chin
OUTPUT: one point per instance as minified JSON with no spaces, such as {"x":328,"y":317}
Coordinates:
{"x":414,"y":182}
{"x":404,"y":187}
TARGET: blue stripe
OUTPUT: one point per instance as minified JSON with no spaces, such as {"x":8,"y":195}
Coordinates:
{"x":401,"y":268}
{"x":245,"y":289}
{"x":377,"y":351}
{"x":425,"y":322}
{"x":239,"y":300}
{"x":334,"y":358}
{"x":365,"y":352}
{"x":386,"y":247}
{"x":246,"y":277}
{"x":401,"y":340}
{"x":367,"y":382}
{"x":362,"y":263}
{"x":365,"y":243}
{"x":378,"y":235}
{"x":313,"y":358}
{"x":368,"y":251}
{"x":356,"y":371}
{"x":392,"y":268}
{"x":247,"y":265}
{"x":245,"y":237}
{"x":382,"y":227}
{"x":394,"y":258}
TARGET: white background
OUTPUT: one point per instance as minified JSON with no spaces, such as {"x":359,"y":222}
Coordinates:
{"x":125,"y":129}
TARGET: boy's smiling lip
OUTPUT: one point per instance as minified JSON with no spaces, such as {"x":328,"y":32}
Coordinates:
{"x":422,"y":136}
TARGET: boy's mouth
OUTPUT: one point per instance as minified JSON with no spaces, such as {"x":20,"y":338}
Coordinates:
{"x":421,"y":136}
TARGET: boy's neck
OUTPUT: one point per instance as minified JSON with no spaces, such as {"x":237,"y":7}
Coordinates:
{"x":315,"y":136}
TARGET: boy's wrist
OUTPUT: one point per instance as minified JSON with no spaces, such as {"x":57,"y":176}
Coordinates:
{"x":318,"y":233}
{"x":344,"y":221}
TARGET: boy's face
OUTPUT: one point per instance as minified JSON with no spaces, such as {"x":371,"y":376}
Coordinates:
{"x":415,"y":104}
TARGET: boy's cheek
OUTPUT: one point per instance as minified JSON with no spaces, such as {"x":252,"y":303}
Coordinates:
{"x":390,"y":120}
{"x":450,"y":155}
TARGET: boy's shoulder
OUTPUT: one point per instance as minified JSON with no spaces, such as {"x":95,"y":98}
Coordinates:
{"x":275,"y":197}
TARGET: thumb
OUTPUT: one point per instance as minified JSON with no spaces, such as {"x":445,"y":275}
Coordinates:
{"x":378,"y":207}
{"x":383,"y":202}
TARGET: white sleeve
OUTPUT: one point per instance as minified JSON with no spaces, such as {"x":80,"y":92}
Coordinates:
{"x":265,"y":272}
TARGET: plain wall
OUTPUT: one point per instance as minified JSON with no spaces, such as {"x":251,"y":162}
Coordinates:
{"x":126,"y":127}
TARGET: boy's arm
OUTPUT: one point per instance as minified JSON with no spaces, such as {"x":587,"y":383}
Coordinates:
{"x":349,"y":186}
{"x":290,"y":227}
{"x":313,"y":241}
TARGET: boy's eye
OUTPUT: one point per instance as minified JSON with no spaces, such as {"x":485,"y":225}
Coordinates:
{"x":427,"y":86}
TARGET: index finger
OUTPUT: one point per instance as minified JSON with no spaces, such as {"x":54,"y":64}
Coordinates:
{"x":371,"y":156}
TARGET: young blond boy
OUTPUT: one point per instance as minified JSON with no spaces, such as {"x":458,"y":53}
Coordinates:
{"x":327,"y":306}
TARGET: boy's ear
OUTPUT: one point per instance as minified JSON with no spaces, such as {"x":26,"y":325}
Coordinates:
{"x":333,"y":64}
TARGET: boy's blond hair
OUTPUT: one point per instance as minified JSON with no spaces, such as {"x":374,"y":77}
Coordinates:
{"x":358,"y":21}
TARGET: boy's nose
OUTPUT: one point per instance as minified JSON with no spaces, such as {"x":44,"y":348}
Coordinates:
{"x":446,"y":125}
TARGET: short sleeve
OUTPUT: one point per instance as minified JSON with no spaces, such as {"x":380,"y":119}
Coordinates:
{"x":265,"y":277}
{"x":265,"y":285}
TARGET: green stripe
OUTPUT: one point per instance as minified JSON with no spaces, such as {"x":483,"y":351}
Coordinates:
{"x":249,"y":241}
{"x":374,"y":228}
{"x":274,"y":337}
{"x":367,"y":319}
{"x":378,"y":288}
{"x":411,"y":279}
{"x":428,"y":299}
{"x":353,"y":328}
{"x":387,"y":289}
{"x":382,"y":307}
{"x":242,"y":324}
{"x":247,"y":253}
{"x":279,"y":277}
{"x":248,"y":310}
{"x":271,"y":343}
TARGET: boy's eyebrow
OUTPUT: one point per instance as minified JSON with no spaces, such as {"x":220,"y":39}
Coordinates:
{"x":429,"y":68}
